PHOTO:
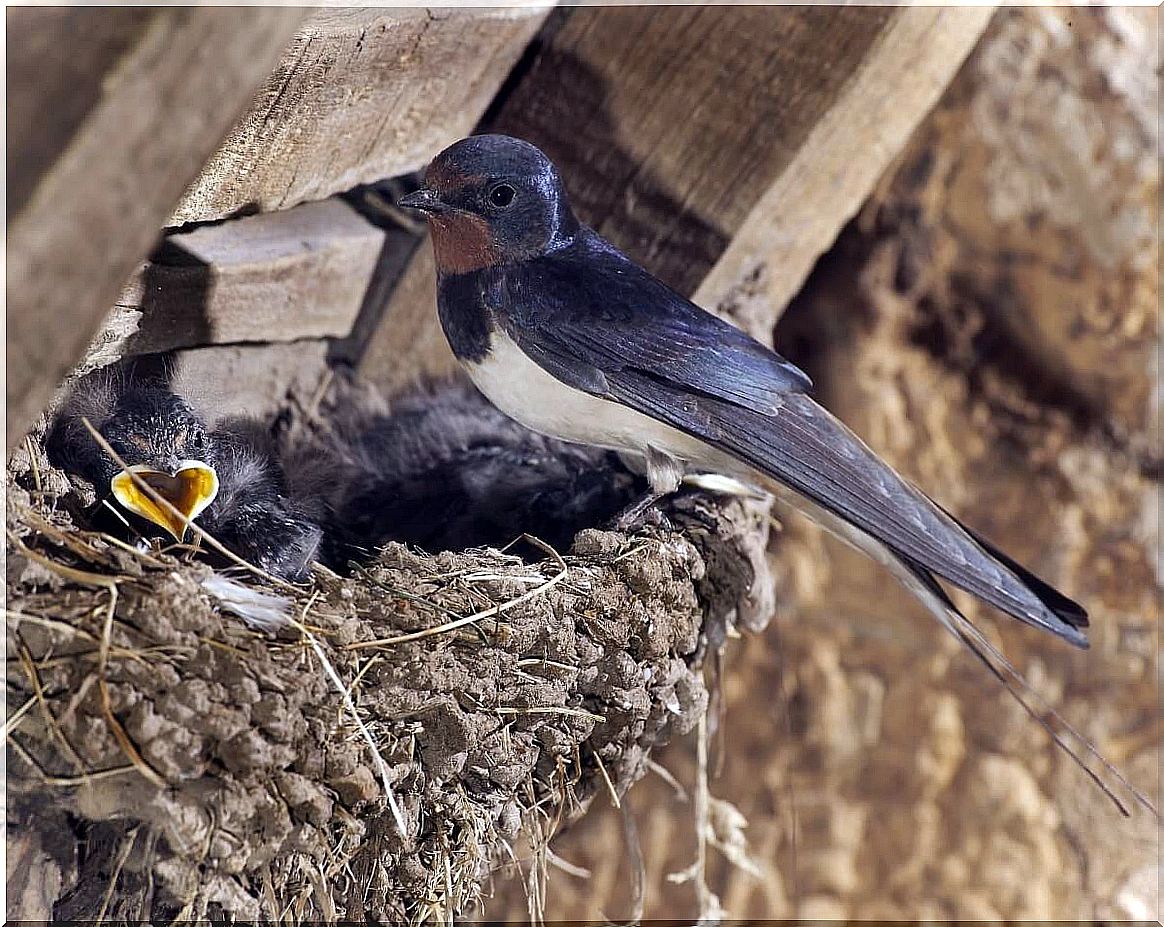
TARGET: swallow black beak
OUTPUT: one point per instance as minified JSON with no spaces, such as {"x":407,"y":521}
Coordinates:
{"x":423,"y":199}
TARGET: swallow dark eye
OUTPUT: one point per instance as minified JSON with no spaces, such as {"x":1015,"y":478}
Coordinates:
{"x":198,"y":441}
{"x":501,"y":195}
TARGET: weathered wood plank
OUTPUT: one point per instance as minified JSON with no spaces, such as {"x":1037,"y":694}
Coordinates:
{"x":300,"y":273}
{"x":408,"y":344}
{"x":828,"y":178}
{"x":359,"y":95}
{"x":102,"y":143}
{"x":679,"y":129}
{"x":247,"y":379}
{"x":669,"y":123}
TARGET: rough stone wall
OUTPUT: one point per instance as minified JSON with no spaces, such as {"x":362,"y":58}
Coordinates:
{"x":989,"y":324}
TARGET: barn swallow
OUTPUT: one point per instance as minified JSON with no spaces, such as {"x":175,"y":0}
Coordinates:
{"x":223,"y":478}
{"x":567,"y":335}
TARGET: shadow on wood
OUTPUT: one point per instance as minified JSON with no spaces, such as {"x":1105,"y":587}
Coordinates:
{"x":360,"y":94}
{"x":102,"y":146}
{"x":300,"y":273}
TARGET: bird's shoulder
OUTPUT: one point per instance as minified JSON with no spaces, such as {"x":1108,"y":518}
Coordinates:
{"x":590,"y":279}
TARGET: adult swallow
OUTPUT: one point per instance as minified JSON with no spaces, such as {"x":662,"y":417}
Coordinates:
{"x":567,"y":335}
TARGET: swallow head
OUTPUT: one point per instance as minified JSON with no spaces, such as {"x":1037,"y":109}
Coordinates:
{"x":490,"y":200}
{"x":164,"y":445}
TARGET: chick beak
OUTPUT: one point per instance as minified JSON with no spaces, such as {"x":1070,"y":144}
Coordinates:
{"x":424,"y":199}
{"x":189,"y":489}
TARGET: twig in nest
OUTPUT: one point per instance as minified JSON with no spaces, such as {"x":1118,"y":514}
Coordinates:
{"x":555,"y":710}
{"x":727,"y":836}
{"x":606,"y":778}
{"x":30,"y":671}
{"x":268,"y":893}
{"x":13,"y":720}
{"x":634,"y":850}
{"x":108,"y":582}
{"x":449,"y":901}
{"x":52,"y":624}
{"x":346,"y":697}
{"x":564,"y":793}
{"x":359,"y":677}
{"x":539,"y":866}
{"x":630,"y":552}
{"x":126,"y":848}
{"x":717,"y":710}
{"x":167,"y":506}
{"x":130,"y":549}
{"x":322,"y":895}
{"x":710,"y":910}
{"x":113,"y":510}
{"x":491,"y":612}
{"x":407,"y":596}
{"x":76,"y":541}
{"x":67,"y":781}
{"x":579,"y":872}
{"x":665,"y":774}
{"x":29,"y":447}
{"x":544,"y":661}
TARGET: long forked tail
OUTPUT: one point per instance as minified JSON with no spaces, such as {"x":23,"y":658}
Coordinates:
{"x":1068,"y":611}
{"x":922,"y":583}
{"x":808,"y":450}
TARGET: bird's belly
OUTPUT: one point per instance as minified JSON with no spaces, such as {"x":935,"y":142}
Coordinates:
{"x":525,"y":392}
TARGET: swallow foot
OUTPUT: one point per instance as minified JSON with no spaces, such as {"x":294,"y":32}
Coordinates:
{"x":642,"y":513}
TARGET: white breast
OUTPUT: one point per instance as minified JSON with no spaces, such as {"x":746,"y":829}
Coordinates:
{"x":524,"y":391}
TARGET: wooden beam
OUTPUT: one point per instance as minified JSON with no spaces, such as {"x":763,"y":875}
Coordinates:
{"x":301,"y":273}
{"x":798,"y":217}
{"x":242,"y":379}
{"x":408,"y":345}
{"x":112,"y":112}
{"x":359,"y":95}
{"x":679,"y":130}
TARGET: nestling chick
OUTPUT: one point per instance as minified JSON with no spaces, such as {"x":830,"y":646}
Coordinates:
{"x":253,"y":515}
{"x":442,"y":469}
{"x":226,"y":478}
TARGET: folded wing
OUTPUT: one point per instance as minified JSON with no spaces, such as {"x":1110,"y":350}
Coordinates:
{"x":679,"y":365}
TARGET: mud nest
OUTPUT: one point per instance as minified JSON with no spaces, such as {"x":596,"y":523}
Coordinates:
{"x":168,"y":758}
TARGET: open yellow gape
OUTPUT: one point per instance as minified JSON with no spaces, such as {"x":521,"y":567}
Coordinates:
{"x":189,"y":491}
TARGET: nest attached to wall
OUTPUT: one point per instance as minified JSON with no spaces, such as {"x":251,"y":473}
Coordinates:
{"x":366,"y":746}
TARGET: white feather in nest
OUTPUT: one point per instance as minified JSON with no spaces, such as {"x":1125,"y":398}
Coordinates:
{"x":262,"y":611}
